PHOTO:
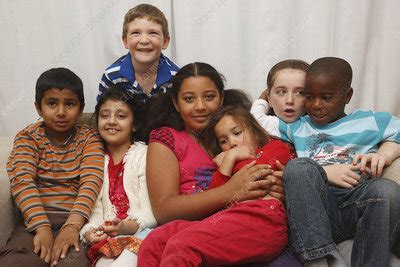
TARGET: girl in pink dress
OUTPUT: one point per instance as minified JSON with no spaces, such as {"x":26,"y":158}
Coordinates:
{"x":179,"y":172}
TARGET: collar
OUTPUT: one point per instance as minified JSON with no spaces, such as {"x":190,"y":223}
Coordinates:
{"x":163,"y":70}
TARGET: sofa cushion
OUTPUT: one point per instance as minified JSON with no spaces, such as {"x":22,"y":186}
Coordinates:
{"x":8,"y":211}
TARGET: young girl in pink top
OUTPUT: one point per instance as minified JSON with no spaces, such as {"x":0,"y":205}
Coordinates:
{"x":179,"y":171}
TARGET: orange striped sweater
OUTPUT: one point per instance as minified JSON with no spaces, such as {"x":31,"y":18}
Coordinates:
{"x":47,"y":178}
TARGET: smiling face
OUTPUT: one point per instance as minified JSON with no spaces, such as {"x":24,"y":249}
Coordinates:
{"x":230,"y":134}
{"x":116,"y":123}
{"x":326,"y":98}
{"x":286,"y":95}
{"x":145,"y":41}
{"x":60,"y":110}
{"x":197,"y":99}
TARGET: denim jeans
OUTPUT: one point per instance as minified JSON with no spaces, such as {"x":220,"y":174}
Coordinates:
{"x":321,"y":215}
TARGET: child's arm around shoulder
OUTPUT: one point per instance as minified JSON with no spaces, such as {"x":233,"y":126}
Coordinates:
{"x":270,"y":123}
{"x":163,"y":180}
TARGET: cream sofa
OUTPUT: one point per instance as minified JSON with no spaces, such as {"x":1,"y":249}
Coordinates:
{"x":9,"y":215}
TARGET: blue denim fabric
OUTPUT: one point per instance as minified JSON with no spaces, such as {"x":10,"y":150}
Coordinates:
{"x":286,"y":259}
{"x":321,"y":215}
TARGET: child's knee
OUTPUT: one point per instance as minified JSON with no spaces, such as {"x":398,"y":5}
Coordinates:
{"x":302,"y":171}
{"x":384,"y":189}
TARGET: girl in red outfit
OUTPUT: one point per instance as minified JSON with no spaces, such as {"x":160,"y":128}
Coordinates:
{"x":234,"y":138}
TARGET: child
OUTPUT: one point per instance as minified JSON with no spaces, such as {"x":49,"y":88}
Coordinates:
{"x":144,"y":70}
{"x":234,"y":138}
{"x":123,"y":200}
{"x":284,"y":94}
{"x":182,"y":177}
{"x":55,"y":170}
{"x":351,"y":205}
{"x":284,"y":100}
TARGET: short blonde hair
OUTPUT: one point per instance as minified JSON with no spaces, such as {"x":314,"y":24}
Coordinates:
{"x":150,"y":12}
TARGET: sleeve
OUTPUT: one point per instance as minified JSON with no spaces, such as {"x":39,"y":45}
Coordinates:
{"x":259,"y":109}
{"x":105,"y":83}
{"x":91,"y":176}
{"x":165,"y":136}
{"x":218,"y":179}
{"x":143,"y":214}
{"x":389,"y":126}
{"x":275,"y":150}
{"x":21,"y":168}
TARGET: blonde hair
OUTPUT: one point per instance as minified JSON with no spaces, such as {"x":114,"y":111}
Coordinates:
{"x":150,"y":12}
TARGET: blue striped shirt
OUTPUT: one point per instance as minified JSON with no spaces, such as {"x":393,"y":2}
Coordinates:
{"x":336,"y":143}
{"x":122,"y":72}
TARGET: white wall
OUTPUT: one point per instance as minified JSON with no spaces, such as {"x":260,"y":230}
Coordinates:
{"x":242,"y":39}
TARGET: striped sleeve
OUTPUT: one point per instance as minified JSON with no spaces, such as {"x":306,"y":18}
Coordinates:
{"x":21,"y":168}
{"x":91,"y":176}
{"x":389,"y":126}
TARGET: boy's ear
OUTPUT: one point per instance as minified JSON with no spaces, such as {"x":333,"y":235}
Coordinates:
{"x":175,"y":104}
{"x":166,"y":42}
{"x":38,"y":109}
{"x":348,"y":95}
{"x":125,"y":41}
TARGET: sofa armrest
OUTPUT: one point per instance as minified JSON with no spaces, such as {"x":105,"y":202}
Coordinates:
{"x":8,"y":212}
{"x":393,"y":171}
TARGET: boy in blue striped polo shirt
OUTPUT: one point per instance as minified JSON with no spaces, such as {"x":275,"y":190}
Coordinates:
{"x":340,"y":201}
{"x":144,"y":70}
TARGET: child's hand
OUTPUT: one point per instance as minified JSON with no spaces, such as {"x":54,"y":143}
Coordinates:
{"x":343,"y":175}
{"x":218,"y":159}
{"x":250,"y":182}
{"x":67,"y":237}
{"x":95,"y":235}
{"x":43,"y":242}
{"x":113,"y":227}
{"x":240,"y":153}
{"x":117,"y":227}
{"x":375,"y":161}
{"x":276,"y":189}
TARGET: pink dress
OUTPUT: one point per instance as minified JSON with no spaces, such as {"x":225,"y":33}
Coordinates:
{"x":195,"y":166}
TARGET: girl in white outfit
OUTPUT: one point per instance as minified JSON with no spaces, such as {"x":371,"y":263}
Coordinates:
{"x":122,"y":215}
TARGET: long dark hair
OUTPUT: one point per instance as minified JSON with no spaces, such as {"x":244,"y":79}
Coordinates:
{"x":243,"y":117}
{"x":160,"y":110}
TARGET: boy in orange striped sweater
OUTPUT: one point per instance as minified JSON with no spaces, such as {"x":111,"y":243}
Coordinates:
{"x":55,"y":171}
